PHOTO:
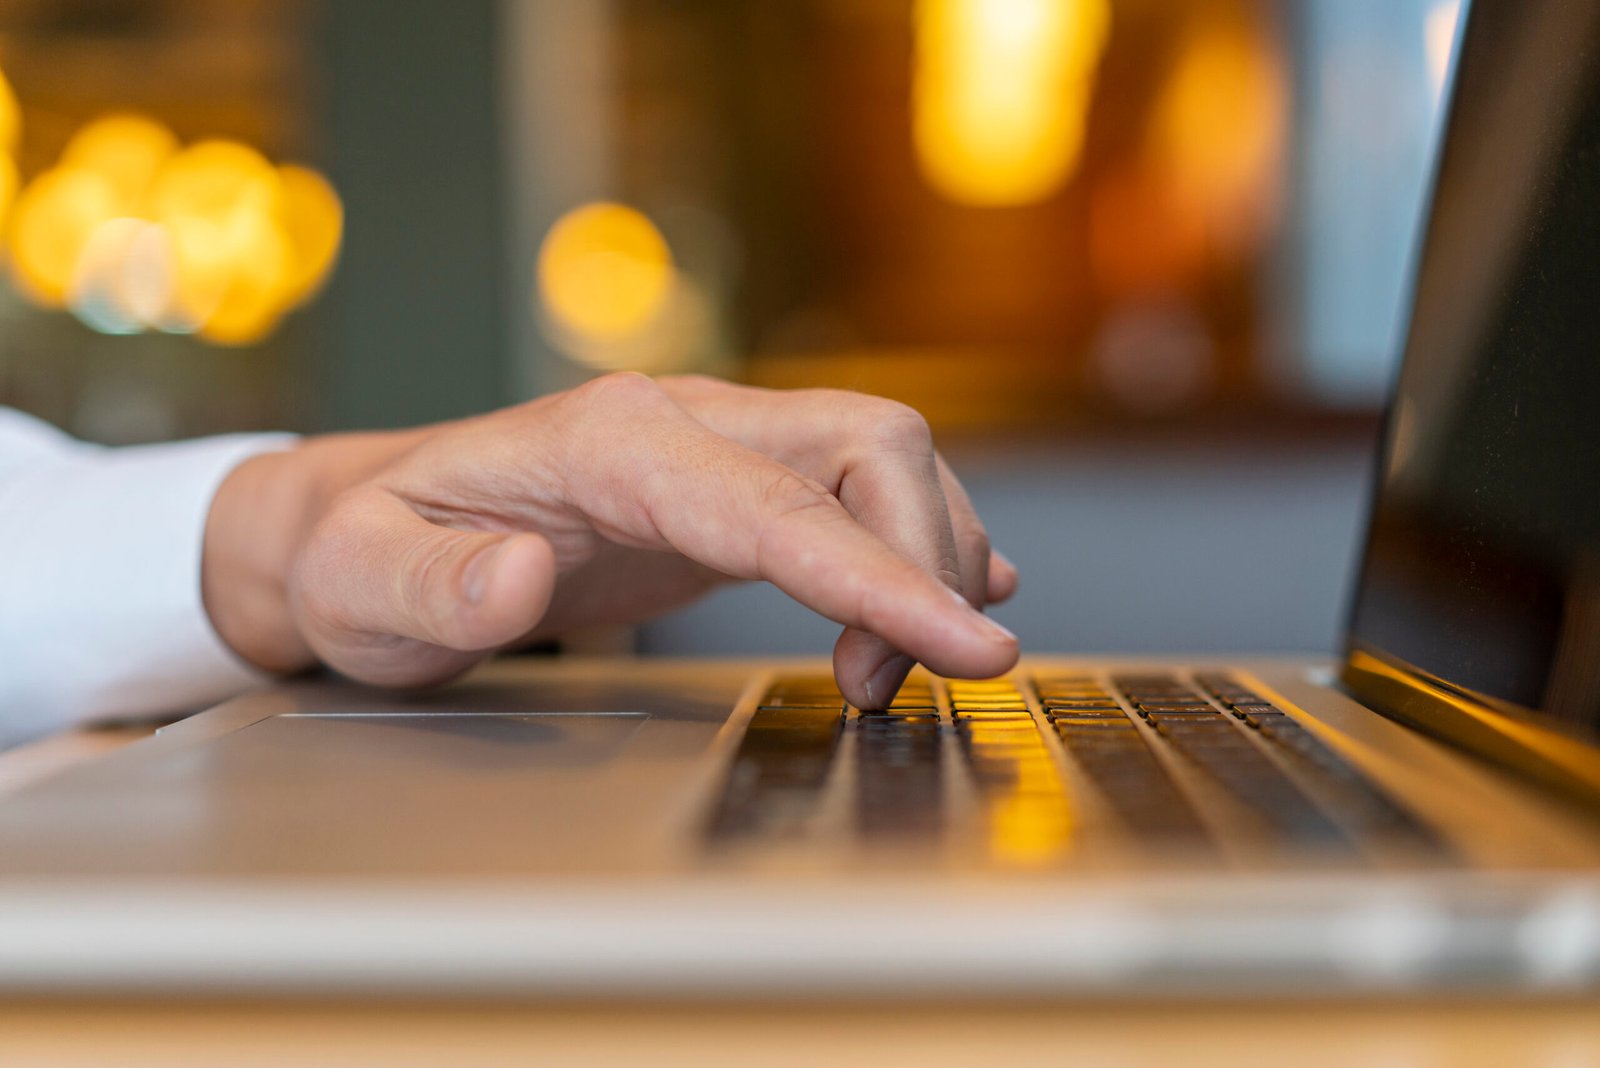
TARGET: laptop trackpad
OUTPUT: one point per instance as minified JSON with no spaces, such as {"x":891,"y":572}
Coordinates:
{"x":465,"y":740}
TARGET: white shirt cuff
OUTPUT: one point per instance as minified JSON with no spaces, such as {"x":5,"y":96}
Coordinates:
{"x":100,"y":553}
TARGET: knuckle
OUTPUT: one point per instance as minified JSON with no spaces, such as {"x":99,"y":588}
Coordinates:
{"x":628,"y":389}
{"x":789,"y":493}
{"x":892,"y":423}
{"x":975,"y":542}
{"x":694,"y":382}
{"x":588,"y":440}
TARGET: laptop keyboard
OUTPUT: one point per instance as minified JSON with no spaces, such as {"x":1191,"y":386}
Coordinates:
{"x":1121,"y":736}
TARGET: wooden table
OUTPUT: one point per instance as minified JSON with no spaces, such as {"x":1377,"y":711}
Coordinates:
{"x":1499,"y":1034}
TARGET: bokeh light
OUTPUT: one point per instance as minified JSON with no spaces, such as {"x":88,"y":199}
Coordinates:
{"x":9,"y":181}
{"x":55,"y":217}
{"x":313,"y":219}
{"x":126,"y":149}
{"x":10,"y":137}
{"x":121,"y":276}
{"x":132,"y":231}
{"x":1219,"y":130}
{"x":604,"y":270}
{"x":608,"y":290}
{"x":10,"y":117}
{"x":1001,"y":94}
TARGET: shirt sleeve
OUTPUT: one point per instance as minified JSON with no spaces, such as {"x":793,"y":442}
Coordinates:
{"x":100,"y":609}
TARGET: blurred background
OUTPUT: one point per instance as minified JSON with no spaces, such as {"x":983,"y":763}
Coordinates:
{"x":1142,"y":263}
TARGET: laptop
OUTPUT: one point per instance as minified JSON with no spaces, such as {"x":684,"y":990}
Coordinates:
{"x":1422,"y":814}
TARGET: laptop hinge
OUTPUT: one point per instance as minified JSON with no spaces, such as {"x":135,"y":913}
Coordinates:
{"x":1547,"y":754}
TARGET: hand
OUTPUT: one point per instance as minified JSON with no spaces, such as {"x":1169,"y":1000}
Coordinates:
{"x":405,"y":559}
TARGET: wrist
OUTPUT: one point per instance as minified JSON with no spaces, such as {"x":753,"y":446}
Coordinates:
{"x":259,"y":518}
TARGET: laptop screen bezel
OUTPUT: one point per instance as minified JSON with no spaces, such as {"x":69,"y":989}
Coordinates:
{"x":1553,"y":753}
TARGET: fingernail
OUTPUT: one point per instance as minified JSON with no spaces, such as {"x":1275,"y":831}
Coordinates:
{"x":996,"y":630}
{"x":480,"y":569}
{"x":885,"y":682}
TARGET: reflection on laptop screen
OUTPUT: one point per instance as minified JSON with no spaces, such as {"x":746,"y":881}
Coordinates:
{"x":1483,"y":565}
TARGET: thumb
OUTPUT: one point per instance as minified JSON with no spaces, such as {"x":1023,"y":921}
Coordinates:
{"x":376,"y":571}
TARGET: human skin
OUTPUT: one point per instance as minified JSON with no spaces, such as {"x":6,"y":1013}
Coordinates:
{"x":404,"y":558}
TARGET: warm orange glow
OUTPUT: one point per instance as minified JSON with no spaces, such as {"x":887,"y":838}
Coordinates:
{"x":605,"y":274}
{"x":10,"y":117}
{"x":121,"y":276}
{"x":202,"y":259}
{"x":1218,"y":133}
{"x":54,"y":219}
{"x":1027,"y":830}
{"x":217,"y":180}
{"x":135,"y":234}
{"x":8,"y":188}
{"x":220,"y":201}
{"x":1029,"y":815}
{"x":127,"y":149}
{"x":313,"y":221}
{"x":1001,"y":94}
{"x":257,"y":292}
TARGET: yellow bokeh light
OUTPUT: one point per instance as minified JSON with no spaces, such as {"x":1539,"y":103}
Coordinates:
{"x":54,"y":219}
{"x":313,"y":221}
{"x":127,"y":149}
{"x":10,"y":117}
{"x":1219,"y":128}
{"x":605,"y":273}
{"x":257,"y":291}
{"x":203,"y":268}
{"x":135,"y":233}
{"x":216,"y":180}
{"x":121,"y":268}
{"x":222,"y":202}
{"x":1001,"y":94}
{"x":9,"y":180}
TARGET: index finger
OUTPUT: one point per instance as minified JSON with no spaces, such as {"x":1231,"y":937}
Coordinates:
{"x":744,"y":514}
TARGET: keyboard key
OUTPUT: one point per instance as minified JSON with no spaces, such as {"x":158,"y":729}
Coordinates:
{"x":1154,"y":679}
{"x":1047,"y":689}
{"x":803,"y":683}
{"x":982,"y":690}
{"x":803,"y":692}
{"x":1120,"y":765}
{"x":778,"y":773}
{"x":909,"y":712}
{"x":1016,"y":720}
{"x":1219,"y":749}
{"x":899,"y":779}
{"x":775,"y":704}
{"x":1025,"y":804}
{"x":1362,"y":804}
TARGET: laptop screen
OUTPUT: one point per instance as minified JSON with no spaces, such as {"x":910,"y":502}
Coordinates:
{"x":1482,"y":569}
